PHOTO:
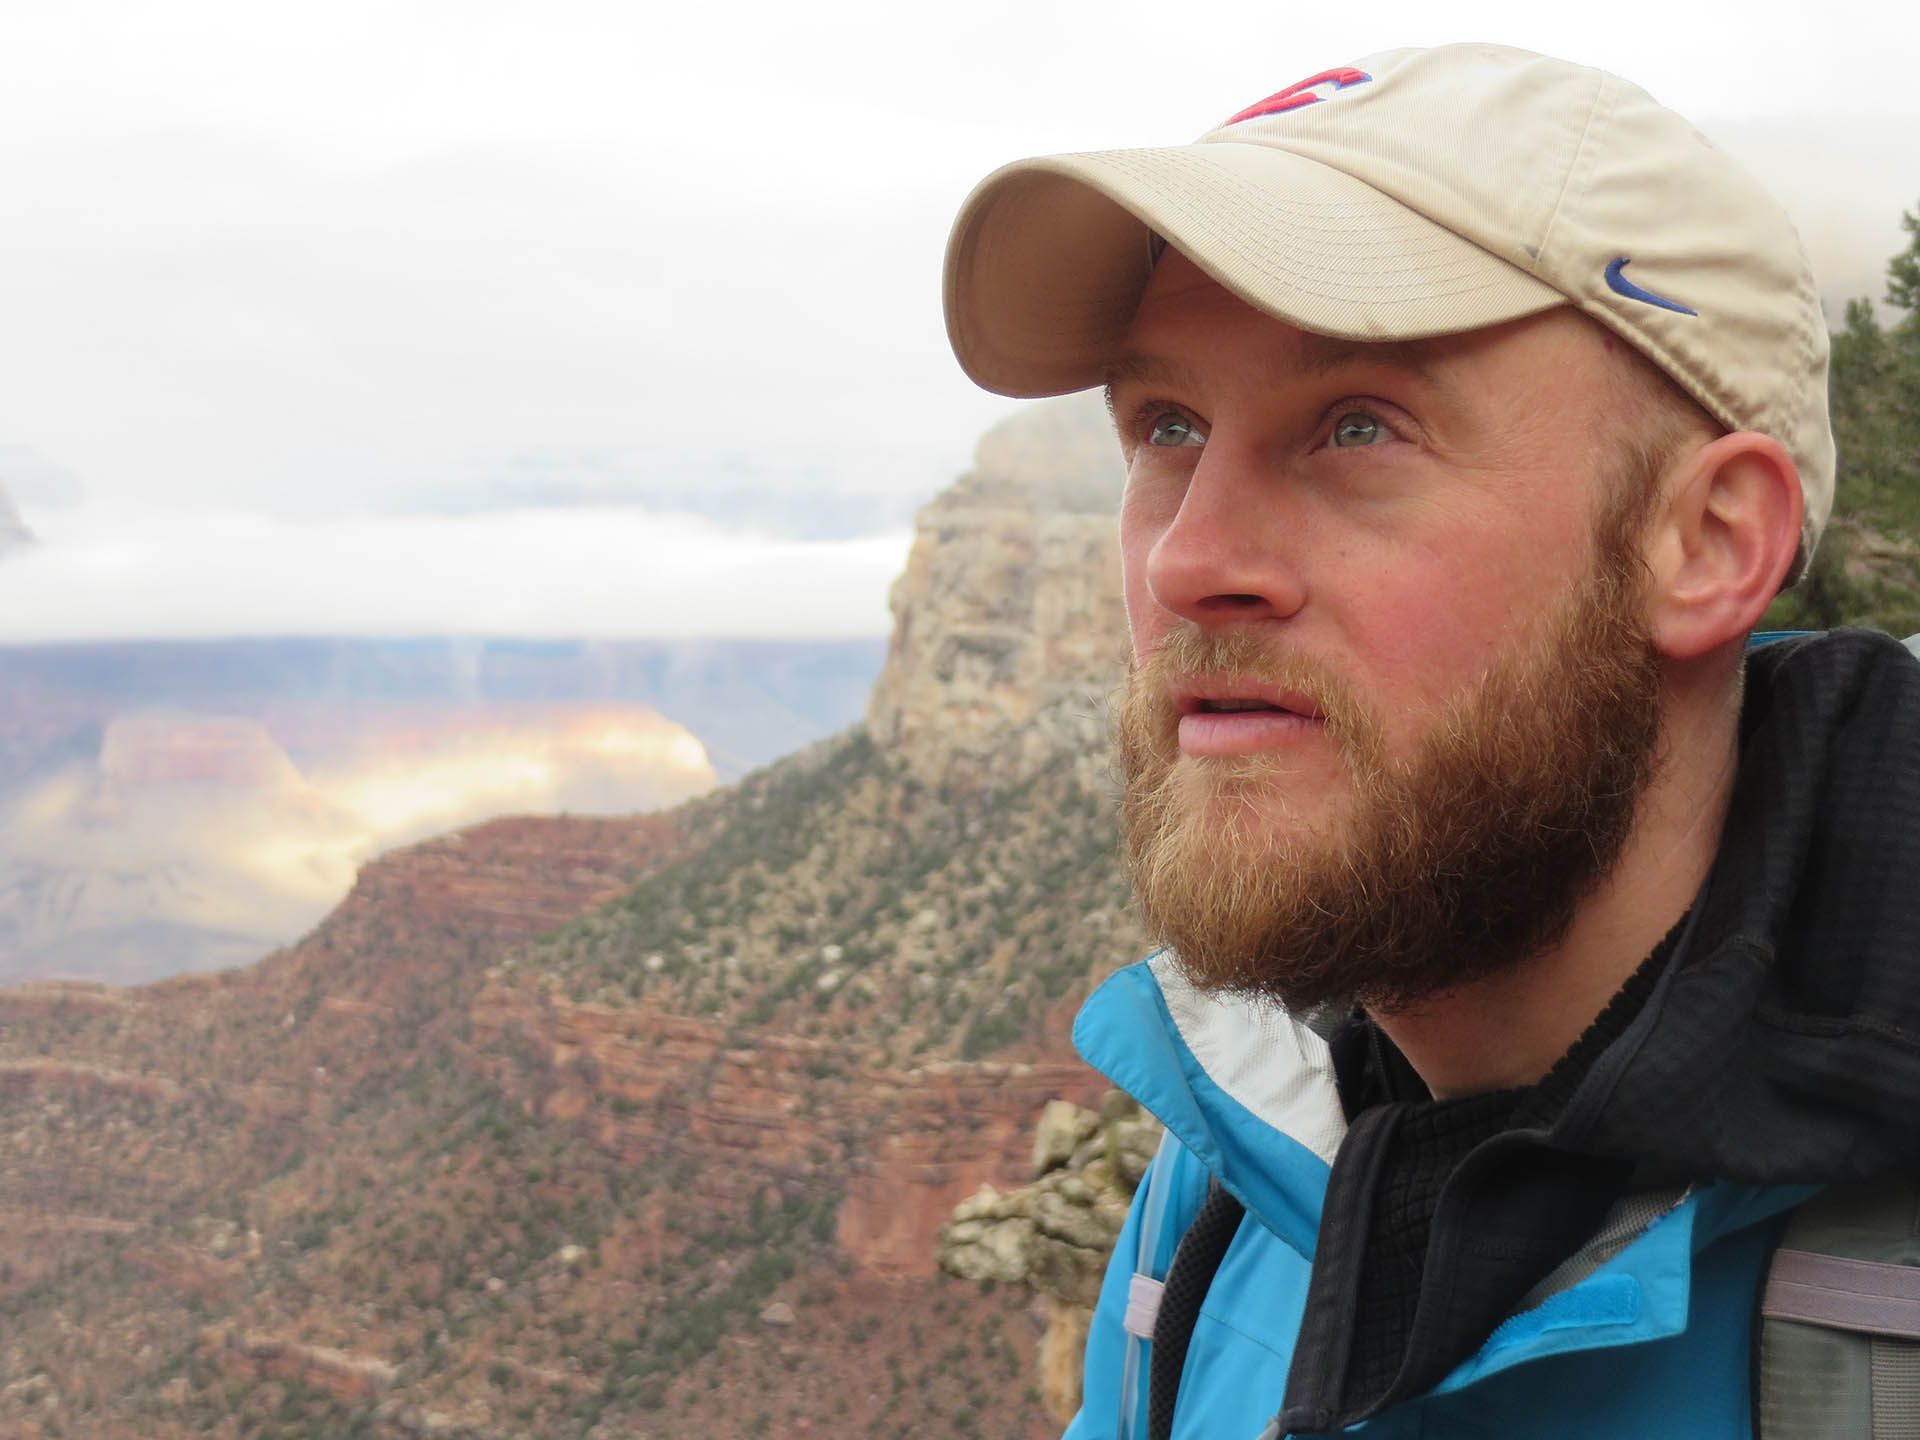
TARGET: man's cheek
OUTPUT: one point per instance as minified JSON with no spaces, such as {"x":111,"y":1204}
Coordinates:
{"x":1146,"y":621}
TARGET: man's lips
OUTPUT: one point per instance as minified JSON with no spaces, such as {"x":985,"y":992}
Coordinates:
{"x":1242,"y":718}
{"x":1240,"y":697}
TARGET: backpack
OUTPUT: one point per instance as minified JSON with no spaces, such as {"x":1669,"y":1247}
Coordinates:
{"x":1839,"y":1345}
{"x":1840,"y":1318}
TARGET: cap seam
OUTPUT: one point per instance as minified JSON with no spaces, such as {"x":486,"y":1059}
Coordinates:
{"x":1600,"y":94}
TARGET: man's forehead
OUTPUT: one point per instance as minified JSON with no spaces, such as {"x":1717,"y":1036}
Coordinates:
{"x":1185,"y":317}
{"x":1294,"y":357}
{"x":1182,"y":303}
{"x":1298,"y":353}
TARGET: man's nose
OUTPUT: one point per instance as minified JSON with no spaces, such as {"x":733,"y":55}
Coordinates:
{"x":1229,"y":553}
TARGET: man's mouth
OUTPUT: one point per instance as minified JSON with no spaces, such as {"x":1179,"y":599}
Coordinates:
{"x":1239,"y":719}
{"x":1242,"y":699}
{"x":1237,"y":707}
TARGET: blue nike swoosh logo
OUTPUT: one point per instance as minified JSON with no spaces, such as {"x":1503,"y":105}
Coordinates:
{"x":1620,"y":285}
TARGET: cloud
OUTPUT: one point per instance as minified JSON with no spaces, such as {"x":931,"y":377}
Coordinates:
{"x":13,"y":530}
{"x":36,"y":482}
{"x":734,"y":490}
{"x":587,"y":257}
{"x":140,"y":571}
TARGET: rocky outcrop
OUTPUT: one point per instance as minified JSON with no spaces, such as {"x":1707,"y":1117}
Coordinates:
{"x":1008,"y":627}
{"x":1054,"y":1235}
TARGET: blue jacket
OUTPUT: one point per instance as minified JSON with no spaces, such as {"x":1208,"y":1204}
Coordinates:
{"x":1654,"y":1342}
{"x":1778,"y":1052}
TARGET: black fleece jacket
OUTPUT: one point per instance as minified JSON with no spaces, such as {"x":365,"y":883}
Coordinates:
{"x":1776,"y":1041}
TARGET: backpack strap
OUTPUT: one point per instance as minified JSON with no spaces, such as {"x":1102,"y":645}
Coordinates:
{"x":1840,"y":1318}
{"x":1195,"y":1263}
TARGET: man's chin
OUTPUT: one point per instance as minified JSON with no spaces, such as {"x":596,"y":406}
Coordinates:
{"x":1252,"y":812}
{"x":1229,"y":888}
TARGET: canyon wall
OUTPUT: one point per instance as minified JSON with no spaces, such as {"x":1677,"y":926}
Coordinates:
{"x":1008,"y":628}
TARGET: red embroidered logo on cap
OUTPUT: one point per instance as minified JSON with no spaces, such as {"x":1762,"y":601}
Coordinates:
{"x":1306,"y":92}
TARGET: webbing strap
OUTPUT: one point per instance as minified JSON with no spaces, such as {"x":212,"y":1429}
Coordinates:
{"x":1896,"y":1389}
{"x":1840,"y":1318}
{"x":1843,"y":1294}
{"x":1143,"y":1305}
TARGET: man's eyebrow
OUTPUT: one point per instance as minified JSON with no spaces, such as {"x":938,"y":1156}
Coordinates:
{"x":1322,"y":357}
{"x":1416,"y":357}
{"x":1146,"y":370}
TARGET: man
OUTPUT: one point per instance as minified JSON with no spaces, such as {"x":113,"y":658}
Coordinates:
{"x":1532,"y":949}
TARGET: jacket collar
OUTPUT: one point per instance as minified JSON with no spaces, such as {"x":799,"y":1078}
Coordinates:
{"x":1246,"y":1087}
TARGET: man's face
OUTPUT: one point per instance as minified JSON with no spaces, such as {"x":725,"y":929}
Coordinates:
{"x":1393,"y":700}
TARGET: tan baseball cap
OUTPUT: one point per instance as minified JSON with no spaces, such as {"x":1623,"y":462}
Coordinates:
{"x":1416,"y":193}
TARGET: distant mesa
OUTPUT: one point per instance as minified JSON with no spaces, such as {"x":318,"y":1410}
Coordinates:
{"x":188,"y":805}
{"x":161,"y":747}
{"x":186,"y":842}
{"x":191,"y":841}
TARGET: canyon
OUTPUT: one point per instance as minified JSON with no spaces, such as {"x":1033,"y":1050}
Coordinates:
{"x":630,"y":1125}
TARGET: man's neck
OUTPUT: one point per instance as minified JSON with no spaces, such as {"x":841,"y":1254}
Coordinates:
{"x":1509,"y":1029}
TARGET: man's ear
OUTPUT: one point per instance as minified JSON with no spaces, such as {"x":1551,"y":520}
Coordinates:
{"x":1721,"y":542}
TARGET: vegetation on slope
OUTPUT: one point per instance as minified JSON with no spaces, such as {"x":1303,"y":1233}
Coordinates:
{"x":839,"y":895}
{"x":1867,"y":570}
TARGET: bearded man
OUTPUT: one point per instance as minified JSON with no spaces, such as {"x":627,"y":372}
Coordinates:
{"x":1533,"y":945}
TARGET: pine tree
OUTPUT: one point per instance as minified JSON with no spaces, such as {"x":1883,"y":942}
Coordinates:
{"x":1867,"y":570}
{"x":1903,"y":271}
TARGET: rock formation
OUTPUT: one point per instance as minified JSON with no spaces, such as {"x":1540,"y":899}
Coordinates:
{"x":1054,"y":1235}
{"x":1008,"y":628}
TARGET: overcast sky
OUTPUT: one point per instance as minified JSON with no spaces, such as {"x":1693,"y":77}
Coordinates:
{"x":406,"y":317}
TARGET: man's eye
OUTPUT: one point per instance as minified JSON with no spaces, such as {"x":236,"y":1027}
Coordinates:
{"x":1357,"y":428}
{"x":1170,"y":427}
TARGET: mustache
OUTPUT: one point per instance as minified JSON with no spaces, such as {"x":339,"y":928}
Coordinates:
{"x":1196,"y":658}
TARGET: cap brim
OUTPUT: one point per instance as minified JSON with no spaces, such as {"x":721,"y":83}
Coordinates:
{"x":1049,"y":257}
